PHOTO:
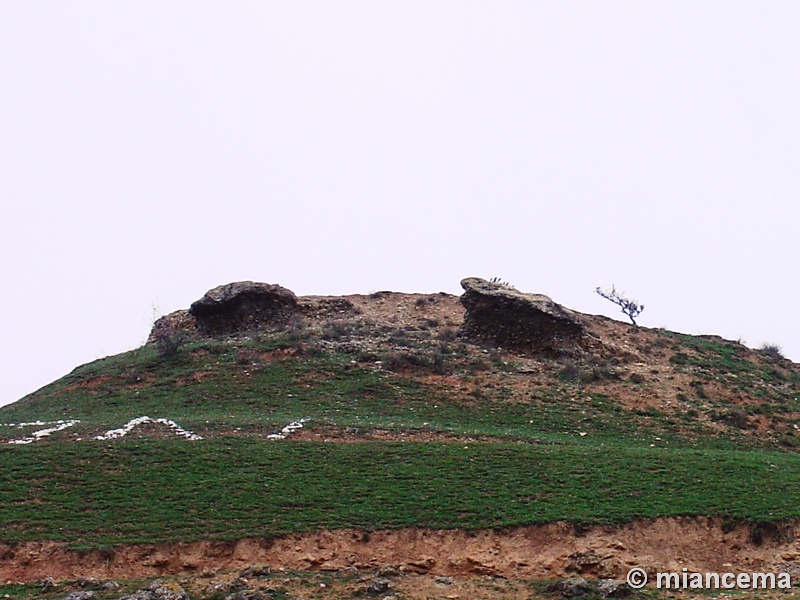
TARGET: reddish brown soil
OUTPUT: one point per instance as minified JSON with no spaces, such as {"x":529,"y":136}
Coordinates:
{"x":542,"y":551}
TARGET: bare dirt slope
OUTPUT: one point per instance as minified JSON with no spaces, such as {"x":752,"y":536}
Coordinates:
{"x":542,"y":551}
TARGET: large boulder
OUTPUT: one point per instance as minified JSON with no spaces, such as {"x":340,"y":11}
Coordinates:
{"x":501,"y":316}
{"x":241,"y":306}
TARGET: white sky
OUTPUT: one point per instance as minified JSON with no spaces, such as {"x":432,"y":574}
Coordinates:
{"x":152,"y":150}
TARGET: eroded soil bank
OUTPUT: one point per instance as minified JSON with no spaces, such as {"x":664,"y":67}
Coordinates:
{"x":541,"y":551}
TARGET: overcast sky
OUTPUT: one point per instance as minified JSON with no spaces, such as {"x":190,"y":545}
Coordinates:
{"x":152,"y":150}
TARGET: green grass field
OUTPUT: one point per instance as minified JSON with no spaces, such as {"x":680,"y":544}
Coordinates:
{"x":98,"y":493}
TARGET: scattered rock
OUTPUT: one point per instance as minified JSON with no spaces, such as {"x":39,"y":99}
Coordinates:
{"x":257,"y":570}
{"x":350,"y":571}
{"x":388,"y":571}
{"x":159,"y":590}
{"x":241,"y":306}
{"x":442,"y":580}
{"x":379,"y":586}
{"x":609,"y":588}
{"x":47,"y":583}
{"x":237,"y":584}
{"x":168,"y":591}
{"x":572,"y":587}
{"x":502,"y":316}
{"x":82,"y":595}
{"x":578,"y":586}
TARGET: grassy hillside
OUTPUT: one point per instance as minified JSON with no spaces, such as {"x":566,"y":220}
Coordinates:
{"x":148,"y":491}
{"x":409,"y":425}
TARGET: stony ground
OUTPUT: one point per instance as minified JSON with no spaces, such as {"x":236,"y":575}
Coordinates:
{"x":385,"y":585}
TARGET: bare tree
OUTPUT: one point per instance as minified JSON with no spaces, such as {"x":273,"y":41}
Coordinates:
{"x":629,"y":307}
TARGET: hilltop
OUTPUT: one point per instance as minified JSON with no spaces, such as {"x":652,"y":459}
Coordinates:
{"x":426,"y":429}
{"x":386,"y":351}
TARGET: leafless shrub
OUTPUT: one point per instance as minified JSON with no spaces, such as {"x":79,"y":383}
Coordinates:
{"x":338,"y":329}
{"x":169,"y":342}
{"x":501,"y":283}
{"x":771,"y":351}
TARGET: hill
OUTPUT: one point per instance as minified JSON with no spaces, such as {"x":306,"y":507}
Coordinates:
{"x":426,"y":429}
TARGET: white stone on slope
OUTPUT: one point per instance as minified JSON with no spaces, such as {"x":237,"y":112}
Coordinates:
{"x":288,"y":430}
{"x":112,"y":434}
{"x":41,"y":433}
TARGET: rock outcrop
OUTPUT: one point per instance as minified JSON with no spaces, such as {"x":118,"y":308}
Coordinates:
{"x":243,"y":305}
{"x":178,"y":322}
{"x":501,"y":316}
